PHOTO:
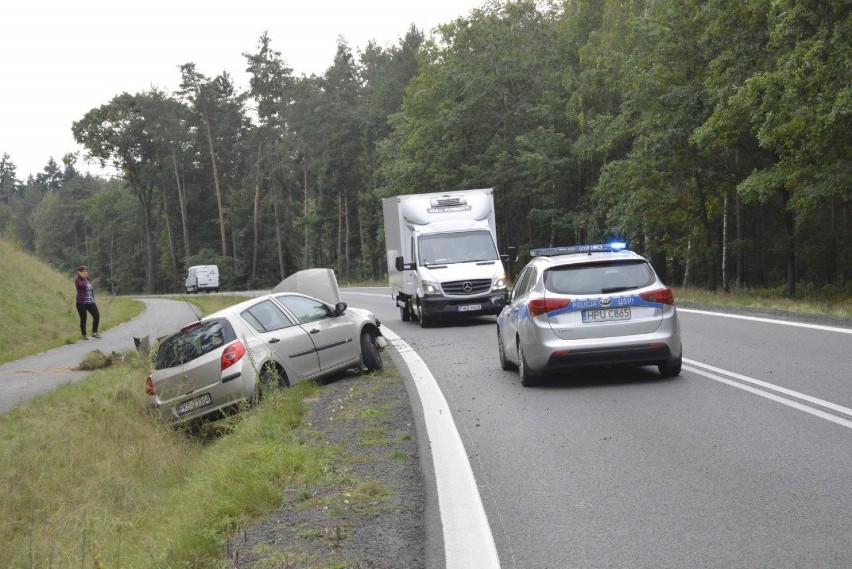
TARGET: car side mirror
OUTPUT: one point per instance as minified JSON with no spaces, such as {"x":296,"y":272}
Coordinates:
{"x":339,"y":308}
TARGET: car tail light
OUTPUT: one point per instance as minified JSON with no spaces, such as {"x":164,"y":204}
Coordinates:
{"x":232,"y":354}
{"x":661,"y":296}
{"x":543,"y":305}
{"x":149,"y":386}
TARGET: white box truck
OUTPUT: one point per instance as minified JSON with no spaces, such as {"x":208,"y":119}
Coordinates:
{"x":442,"y":255}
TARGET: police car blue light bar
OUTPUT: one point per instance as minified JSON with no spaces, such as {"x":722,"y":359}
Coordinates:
{"x":613,"y":246}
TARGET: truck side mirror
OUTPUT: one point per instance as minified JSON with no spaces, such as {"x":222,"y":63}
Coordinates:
{"x":401,"y":265}
{"x":504,"y":258}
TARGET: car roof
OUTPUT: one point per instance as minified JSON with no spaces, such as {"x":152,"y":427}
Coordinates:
{"x":546,"y":261}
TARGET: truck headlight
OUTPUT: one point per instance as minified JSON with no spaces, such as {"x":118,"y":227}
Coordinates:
{"x":500,"y":282}
{"x":430,"y":288}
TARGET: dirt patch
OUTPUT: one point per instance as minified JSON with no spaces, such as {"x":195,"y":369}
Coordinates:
{"x":370,"y":513}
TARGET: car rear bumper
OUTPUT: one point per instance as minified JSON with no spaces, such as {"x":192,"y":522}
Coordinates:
{"x":443,"y":307}
{"x":647,"y":354}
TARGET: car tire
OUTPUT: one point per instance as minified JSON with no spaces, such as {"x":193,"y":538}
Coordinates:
{"x":528,"y":379}
{"x":671,"y":368}
{"x":270,"y":377}
{"x":370,"y":356}
{"x":405,"y":313}
{"x":505,"y":364}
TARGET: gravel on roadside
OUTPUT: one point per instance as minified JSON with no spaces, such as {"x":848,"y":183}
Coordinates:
{"x":372,"y":512}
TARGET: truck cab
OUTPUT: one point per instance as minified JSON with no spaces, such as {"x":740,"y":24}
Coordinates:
{"x":443,"y":260}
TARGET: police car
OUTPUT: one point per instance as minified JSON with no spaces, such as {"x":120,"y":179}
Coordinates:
{"x":588,"y":305}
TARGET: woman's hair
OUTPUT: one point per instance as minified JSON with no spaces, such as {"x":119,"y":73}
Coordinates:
{"x":82,"y":268}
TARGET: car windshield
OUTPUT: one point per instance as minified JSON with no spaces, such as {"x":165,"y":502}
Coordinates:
{"x":599,"y":278}
{"x":194,"y":342}
{"x":459,"y":247}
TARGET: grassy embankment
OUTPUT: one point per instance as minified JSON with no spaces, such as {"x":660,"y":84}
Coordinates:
{"x":37,"y":304}
{"x":833,"y":303}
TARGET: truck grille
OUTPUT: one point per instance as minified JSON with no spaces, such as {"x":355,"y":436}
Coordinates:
{"x":465,"y":288}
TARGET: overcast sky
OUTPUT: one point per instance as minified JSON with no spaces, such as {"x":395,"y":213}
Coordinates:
{"x":60,"y":58}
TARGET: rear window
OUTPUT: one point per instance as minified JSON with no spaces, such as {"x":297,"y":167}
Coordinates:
{"x":193,"y":343}
{"x":599,"y":278}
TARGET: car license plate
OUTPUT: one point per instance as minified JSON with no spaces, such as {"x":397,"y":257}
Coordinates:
{"x":606,"y":315}
{"x":468,"y":307}
{"x":193,"y":404}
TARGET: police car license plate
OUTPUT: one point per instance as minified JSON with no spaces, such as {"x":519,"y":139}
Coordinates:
{"x":193,"y":404}
{"x":468,"y":307}
{"x":606,"y":315}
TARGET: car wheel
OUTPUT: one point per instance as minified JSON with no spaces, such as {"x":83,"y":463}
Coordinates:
{"x":405,"y":313}
{"x":528,"y":379}
{"x":504,"y":363}
{"x":370,"y":356}
{"x":425,"y":321}
{"x":270,"y":377}
{"x":671,"y":368}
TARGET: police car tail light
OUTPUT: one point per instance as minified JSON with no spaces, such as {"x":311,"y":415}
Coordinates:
{"x":661,"y":296}
{"x":232,"y":354}
{"x":544,"y":305}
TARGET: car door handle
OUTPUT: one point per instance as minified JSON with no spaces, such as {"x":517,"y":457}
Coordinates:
{"x":274,"y":340}
{"x":315,"y":331}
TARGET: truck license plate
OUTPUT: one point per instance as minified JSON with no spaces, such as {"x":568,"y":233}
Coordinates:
{"x":193,"y":404}
{"x":468,"y":307}
{"x":606,"y":315}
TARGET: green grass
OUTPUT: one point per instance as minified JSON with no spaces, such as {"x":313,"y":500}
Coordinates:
{"x":832,"y":302}
{"x":37,"y":304}
{"x":90,"y":478}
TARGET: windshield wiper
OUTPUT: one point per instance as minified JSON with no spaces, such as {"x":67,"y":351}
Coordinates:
{"x":618,"y":289}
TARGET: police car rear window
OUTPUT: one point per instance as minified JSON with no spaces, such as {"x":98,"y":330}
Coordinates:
{"x":599,"y":278}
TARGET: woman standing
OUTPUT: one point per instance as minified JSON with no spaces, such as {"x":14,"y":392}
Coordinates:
{"x":86,"y":302}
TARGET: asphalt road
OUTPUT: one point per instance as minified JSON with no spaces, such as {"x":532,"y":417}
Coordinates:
{"x":743,"y":461}
{"x":25,"y":379}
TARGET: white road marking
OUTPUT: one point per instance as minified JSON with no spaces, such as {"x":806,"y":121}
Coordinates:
{"x":769,"y":320}
{"x":468,"y":541}
{"x":777,"y":398}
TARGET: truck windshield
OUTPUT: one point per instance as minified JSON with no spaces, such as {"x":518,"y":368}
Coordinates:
{"x":458,"y":247}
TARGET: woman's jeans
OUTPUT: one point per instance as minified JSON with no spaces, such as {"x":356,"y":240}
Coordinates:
{"x":96,"y":316}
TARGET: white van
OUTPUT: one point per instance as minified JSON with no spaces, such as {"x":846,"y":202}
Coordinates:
{"x":202,"y":277}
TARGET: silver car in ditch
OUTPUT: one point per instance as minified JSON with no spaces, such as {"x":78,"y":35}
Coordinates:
{"x":226,"y":359}
{"x":588,"y":305}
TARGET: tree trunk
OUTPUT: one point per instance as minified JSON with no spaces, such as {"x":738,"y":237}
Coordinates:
{"x":216,"y":184}
{"x":279,"y":246}
{"x":790,"y":246}
{"x":307,"y":252}
{"x":181,"y":206}
{"x":346,"y":241}
{"x":172,"y":252}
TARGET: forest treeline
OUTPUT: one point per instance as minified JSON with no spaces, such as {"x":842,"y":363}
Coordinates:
{"x":713,"y":136}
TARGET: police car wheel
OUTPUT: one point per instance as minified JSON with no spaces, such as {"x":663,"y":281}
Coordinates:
{"x":505,"y":364}
{"x":528,"y":379}
{"x":671,"y":368}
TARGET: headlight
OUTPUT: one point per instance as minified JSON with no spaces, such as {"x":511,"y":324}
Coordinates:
{"x":500,"y":282}
{"x":430,"y":288}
